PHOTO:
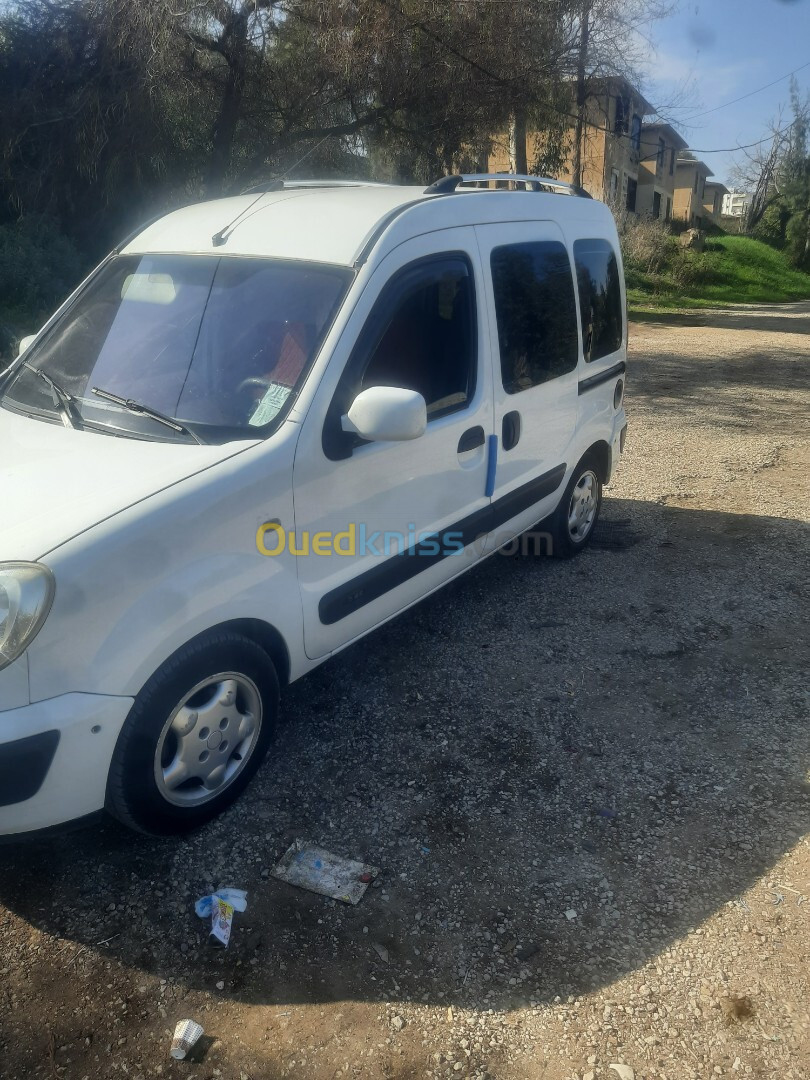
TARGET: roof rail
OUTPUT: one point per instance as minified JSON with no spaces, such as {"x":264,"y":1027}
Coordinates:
{"x":286,"y":185}
{"x":447,"y":185}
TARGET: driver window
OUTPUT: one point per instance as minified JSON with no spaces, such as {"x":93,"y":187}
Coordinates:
{"x":424,"y":335}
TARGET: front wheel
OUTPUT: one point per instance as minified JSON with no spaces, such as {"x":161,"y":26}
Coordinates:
{"x":195,"y":736}
{"x":573,"y":522}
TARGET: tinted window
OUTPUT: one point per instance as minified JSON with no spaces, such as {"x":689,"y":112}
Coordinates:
{"x":600,"y":297}
{"x":421,"y":335}
{"x":534,"y":304}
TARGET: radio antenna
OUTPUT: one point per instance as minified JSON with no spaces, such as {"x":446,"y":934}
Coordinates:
{"x":221,"y":237}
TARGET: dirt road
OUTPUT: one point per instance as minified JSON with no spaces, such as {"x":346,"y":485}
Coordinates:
{"x":586,"y":784}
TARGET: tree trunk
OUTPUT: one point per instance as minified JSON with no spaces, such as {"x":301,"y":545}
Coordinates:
{"x":582,"y":90}
{"x":518,"y":161}
{"x":223,"y":133}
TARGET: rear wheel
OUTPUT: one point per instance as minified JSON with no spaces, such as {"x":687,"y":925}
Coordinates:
{"x":573,"y":522}
{"x":195,"y":736}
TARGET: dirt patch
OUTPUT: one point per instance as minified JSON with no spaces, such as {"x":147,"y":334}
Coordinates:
{"x":586,"y":784}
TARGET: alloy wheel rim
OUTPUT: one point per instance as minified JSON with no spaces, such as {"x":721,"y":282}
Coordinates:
{"x":582,"y":511}
{"x":208,"y":739}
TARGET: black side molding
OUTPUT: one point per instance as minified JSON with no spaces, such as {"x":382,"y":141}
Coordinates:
{"x":602,"y":377}
{"x":24,"y":764}
{"x":396,"y":570}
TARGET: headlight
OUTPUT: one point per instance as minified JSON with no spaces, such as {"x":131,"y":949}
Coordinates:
{"x":26,"y":594}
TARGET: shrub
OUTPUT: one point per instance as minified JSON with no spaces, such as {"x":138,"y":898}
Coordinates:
{"x":39,"y":267}
{"x":689,"y":269}
{"x":647,"y":245}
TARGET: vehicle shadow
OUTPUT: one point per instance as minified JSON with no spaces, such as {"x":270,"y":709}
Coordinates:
{"x":560,"y":767}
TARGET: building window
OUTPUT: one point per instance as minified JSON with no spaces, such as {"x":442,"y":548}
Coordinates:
{"x":536,"y":313}
{"x":632,"y":186}
{"x":622,"y":112}
{"x":635,"y":133}
{"x":672,"y":161}
{"x":614,"y":184}
{"x":656,"y":206}
{"x":600,"y":298}
{"x":661,"y":157}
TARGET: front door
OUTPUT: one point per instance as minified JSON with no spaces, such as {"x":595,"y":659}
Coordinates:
{"x":379,"y":525}
{"x":535,"y":344}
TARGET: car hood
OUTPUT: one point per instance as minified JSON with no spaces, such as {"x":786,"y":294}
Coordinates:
{"x":55,"y":482}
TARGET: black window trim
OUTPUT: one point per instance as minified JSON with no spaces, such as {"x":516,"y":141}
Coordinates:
{"x":338,"y":445}
{"x":577,"y":321}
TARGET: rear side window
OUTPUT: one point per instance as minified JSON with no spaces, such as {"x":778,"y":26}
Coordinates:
{"x":536,"y":313}
{"x":600,"y":298}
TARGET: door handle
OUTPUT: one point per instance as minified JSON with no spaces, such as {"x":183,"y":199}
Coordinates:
{"x":510,"y":434}
{"x":471,"y":440}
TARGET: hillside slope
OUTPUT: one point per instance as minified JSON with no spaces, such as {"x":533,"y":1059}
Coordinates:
{"x":732,"y":270}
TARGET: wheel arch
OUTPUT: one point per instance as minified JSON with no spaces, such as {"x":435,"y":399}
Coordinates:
{"x":599,"y":453}
{"x":268,"y":638}
{"x":261,"y":633}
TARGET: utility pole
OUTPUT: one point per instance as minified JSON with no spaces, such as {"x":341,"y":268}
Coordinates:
{"x":582,"y":94}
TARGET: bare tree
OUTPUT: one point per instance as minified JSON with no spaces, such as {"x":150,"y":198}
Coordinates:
{"x":609,"y":39}
{"x":756,"y":172}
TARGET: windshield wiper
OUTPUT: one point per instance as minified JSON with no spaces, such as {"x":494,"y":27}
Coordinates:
{"x":144,"y":410}
{"x":62,"y":398}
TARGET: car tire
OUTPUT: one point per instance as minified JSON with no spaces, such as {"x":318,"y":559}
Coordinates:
{"x":195,"y":736}
{"x":572,"y":524}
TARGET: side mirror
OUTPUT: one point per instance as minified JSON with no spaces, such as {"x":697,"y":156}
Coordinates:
{"x":387,"y":414}
{"x":25,"y":343}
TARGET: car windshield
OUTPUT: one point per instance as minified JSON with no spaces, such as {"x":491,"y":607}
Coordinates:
{"x":220,"y":345}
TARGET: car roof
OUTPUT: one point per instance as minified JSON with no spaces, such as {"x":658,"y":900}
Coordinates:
{"x":340,"y":225}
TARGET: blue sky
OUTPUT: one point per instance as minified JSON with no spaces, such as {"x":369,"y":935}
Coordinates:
{"x":716,"y":50}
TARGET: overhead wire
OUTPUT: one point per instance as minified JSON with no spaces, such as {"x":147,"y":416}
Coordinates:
{"x":573,"y":116}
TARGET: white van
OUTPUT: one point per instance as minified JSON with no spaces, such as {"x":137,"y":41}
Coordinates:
{"x":262,"y":427}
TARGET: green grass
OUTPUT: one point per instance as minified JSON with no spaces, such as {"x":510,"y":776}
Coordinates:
{"x":732,"y":270}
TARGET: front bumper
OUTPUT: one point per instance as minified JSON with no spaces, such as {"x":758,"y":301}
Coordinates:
{"x":54,"y":759}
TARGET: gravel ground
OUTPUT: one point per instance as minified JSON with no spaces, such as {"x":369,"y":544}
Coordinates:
{"x":586,"y":785}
